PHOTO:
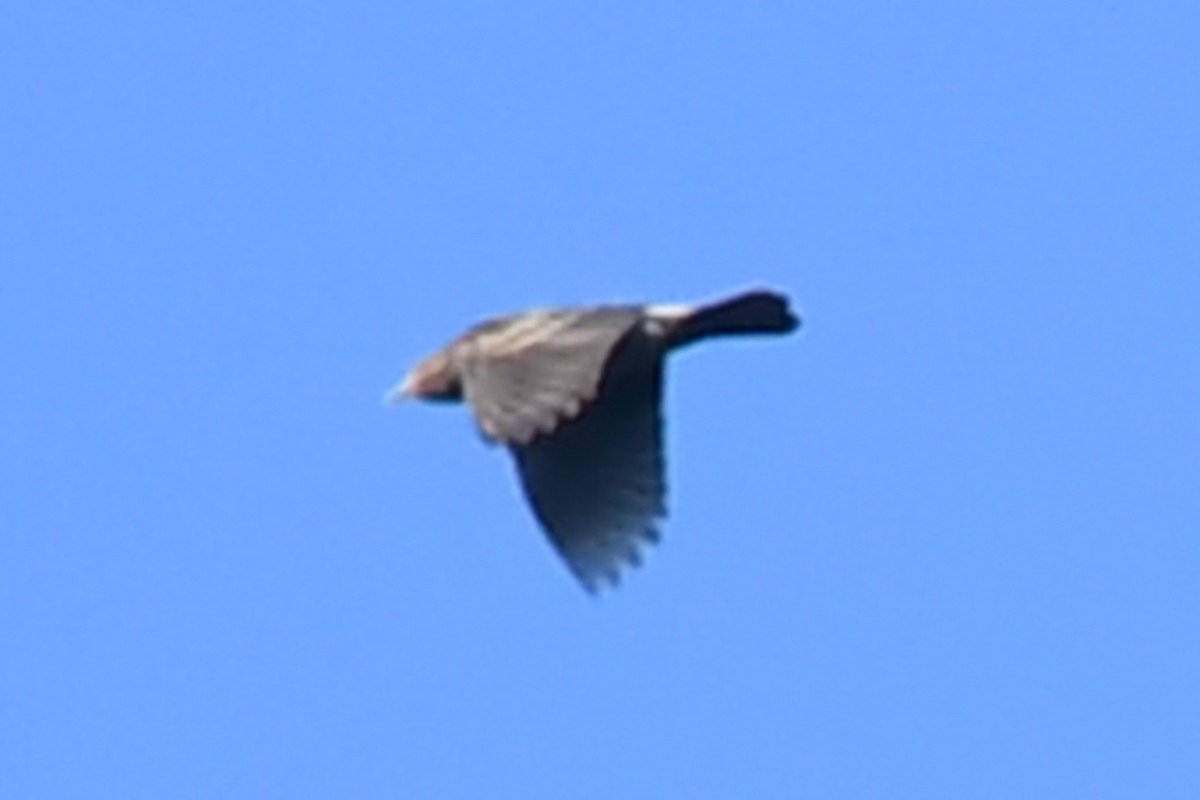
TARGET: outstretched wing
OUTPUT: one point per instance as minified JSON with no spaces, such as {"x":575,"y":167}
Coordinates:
{"x":523,"y":375}
{"x":597,"y":483}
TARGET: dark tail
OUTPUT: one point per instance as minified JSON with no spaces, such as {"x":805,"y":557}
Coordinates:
{"x":749,"y":313}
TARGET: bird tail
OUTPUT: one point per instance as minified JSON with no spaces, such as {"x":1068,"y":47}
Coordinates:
{"x":757,"y":312}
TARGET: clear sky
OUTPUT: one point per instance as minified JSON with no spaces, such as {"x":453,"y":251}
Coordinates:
{"x":944,"y":543}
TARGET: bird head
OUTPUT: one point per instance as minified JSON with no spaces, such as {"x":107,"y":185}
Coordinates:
{"x":435,"y":379}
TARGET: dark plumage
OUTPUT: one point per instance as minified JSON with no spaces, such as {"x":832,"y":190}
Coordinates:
{"x":576,"y":395}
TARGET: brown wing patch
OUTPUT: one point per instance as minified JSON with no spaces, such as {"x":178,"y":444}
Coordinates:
{"x":525,"y":374}
{"x":597,"y":483}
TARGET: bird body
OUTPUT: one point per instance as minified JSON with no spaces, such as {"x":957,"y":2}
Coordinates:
{"x":576,"y":396}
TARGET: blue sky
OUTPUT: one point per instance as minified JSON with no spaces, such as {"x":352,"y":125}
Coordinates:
{"x":944,"y":543}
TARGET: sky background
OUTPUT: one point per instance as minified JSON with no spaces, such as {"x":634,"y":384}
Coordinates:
{"x":944,"y":543}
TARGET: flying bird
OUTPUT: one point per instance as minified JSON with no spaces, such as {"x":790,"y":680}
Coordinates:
{"x":575,"y":395}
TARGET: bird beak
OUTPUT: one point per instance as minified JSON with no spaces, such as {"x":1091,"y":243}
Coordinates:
{"x":432,"y":379}
{"x":402,"y":391}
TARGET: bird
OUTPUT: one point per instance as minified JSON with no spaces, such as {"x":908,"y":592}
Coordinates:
{"x":575,"y":395}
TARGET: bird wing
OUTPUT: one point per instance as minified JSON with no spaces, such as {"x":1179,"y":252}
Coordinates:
{"x":597,"y":483}
{"x":523,"y":375}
